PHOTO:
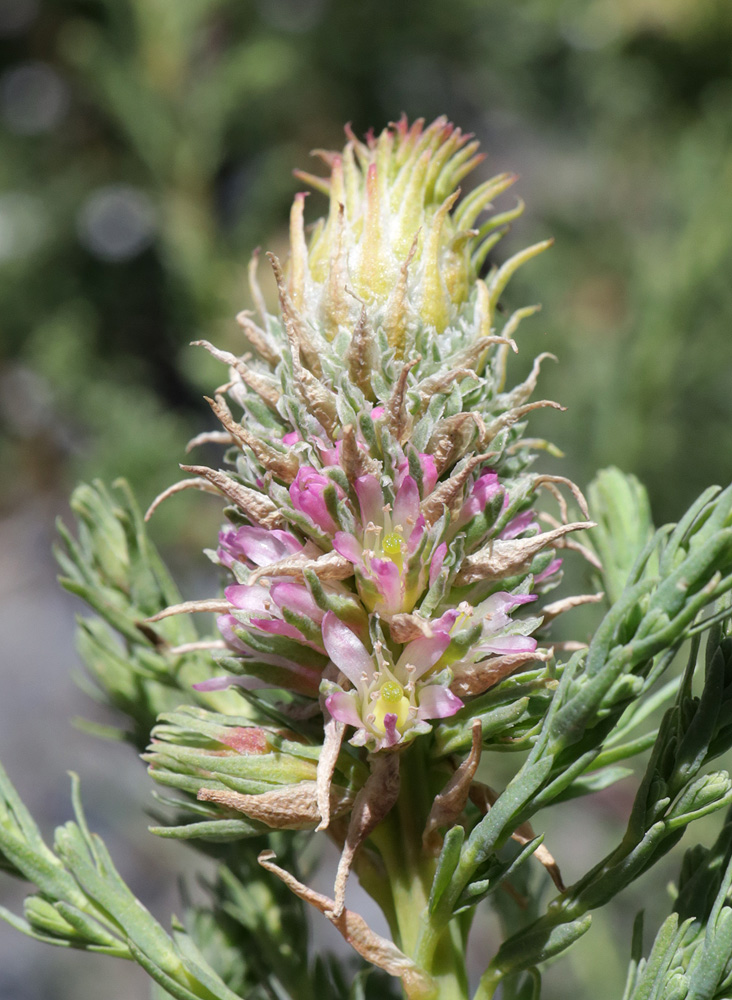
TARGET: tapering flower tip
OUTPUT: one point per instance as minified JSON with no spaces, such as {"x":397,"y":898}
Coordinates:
{"x":394,"y":238}
{"x":387,"y":703}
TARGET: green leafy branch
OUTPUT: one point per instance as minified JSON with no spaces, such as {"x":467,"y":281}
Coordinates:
{"x":82,"y":902}
{"x":114,"y":567}
{"x":691,"y":956}
{"x":673,"y":793}
{"x":633,"y":645}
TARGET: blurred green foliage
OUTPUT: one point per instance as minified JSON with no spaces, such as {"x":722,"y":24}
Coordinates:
{"x":147,"y":148}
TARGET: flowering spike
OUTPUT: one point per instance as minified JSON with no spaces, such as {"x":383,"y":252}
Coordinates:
{"x":372,"y":527}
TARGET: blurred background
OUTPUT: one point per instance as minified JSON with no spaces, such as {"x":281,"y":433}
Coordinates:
{"x":147,"y":149}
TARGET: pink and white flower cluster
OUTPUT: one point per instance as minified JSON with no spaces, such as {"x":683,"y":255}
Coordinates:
{"x":287,"y":633}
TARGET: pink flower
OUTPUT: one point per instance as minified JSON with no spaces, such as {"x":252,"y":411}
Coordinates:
{"x":262,"y":616}
{"x":307,"y":495}
{"x":546,"y":575}
{"x":492,"y":616}
{"x":255,"y":545}
{"x":255,"y":631}
{"x":387,"y":551}
{"x":485,"y":488}
{"x":264,"y":608}
{"x":479,"y":635}
{"x":258,"y":630}
{"x":524,"y":521}
{"x":387,"y":704}
{"x":429,"y":472}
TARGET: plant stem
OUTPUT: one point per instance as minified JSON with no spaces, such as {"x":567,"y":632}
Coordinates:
{"x":489,"y":983}
{"x":410,"y":872}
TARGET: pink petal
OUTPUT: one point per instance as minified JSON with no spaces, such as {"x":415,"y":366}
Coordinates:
{"x":313,"y":504}
{"x":470,"y":508}
{"x":498,"y":607}
{"x":553,"y":567}
{"x":346,"y":650}
{"x":226,"y":625}
{"x":437,"y":702}
{"x":330,"y":456}
{"x":429,"y":473}
{"x":286,"y":540}
{"x":348,"y":547}
{"x":371,"y":499}
{"x":406,"y":504}
{"x":306,"y":493}
{"x":377,"y":412}
{"x":423,"y":653}
{"x":438,"y":558}
{"x":226,"y":552}
{"x":290,"y":438}
{"x":385,"y":575}
{"x":298,"y":598}
{"x":415,"y":536}
{"x":248,"y":597}
{"x":503,"y":601}
{"x":264,"y":547}
{"x":343,"y":706}
{"x":275,"y":626}
{"x":519,"y":524}
{"x":392,"y":733}
{"x":308,"y":478}
{"x":485,"y":488}
{"x":446,"y":621}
